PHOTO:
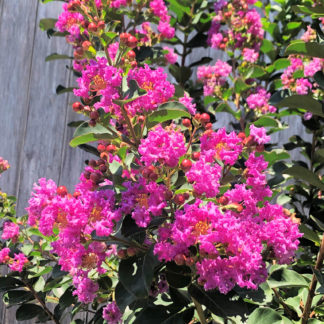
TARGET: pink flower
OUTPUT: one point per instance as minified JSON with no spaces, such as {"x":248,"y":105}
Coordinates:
{"x":302,"y":86}
{"x":213,"y":76}
{"x":85,"y":288}
{"x":112,"y":314}
{"x":259,"y":101}
{"x":186,"y":100}
{"x":155,"y":83}
{"x":4,"y":165}
{"x":202,"y":170}
{"x":10,"y":231}
{"x":171,"y":57}
{"x":223,"y":146}
{"x":165,"y":146}
{"x":165,"y":29}
{"x":4,"y":255}
{"x":250,"y":55}
{"x":259,"y":134}
{"x":18,"y":262}
{"x":143,"y":200}
{"x":118,"y":3}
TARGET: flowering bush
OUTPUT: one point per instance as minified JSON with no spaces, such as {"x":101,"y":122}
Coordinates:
{"x":175,"y":220}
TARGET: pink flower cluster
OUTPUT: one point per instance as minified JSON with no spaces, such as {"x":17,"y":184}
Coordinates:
{"x":76,"y":217}
{"x":112,"y":314}
{"x":307,"y":67}
{"x":160,"y":10}
{"x":165,"y":146}
{"x":4,"y":165}
{"x":70,"y":22}
{"x":102,"y":80}
{"x":235,"y":26}
{"x":213,"y":76}
{"x":10,"y":231}
{"x":259,"y":101}
{"x":230,"y":244}
{"x":16,"y":263}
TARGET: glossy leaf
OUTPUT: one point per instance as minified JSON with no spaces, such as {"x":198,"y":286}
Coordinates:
{"x":85,"y":134}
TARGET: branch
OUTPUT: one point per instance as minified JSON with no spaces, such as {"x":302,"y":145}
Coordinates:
{"x":48,"y":312}
{"x":312,"y":287}
{"x":199,"y":311}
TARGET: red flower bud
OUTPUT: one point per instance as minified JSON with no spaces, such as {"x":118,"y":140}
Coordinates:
{"x":61,"y":191}
{"x":186,"y":122}
{"x":186,"y":165}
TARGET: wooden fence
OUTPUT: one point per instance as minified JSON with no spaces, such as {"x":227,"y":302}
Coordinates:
{"x":33,"y":119}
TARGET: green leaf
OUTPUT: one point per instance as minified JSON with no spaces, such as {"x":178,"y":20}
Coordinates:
{"x":309,"y":234}
{"x":203,"y":60}
{"x":218,"y":303}
{"x":61,"y":89}
{"x":312,"y":49}
{"x":56,"y":56}
{"x":281,"y":63}
{"x":293,"y":25}
{"x":255,"y":71}
{"x":317,"y":11}
{"x":306,"y":175}
{"x":167,"y":111}
{"x":283,"y":277}
{"x":28,"y":311}
{"x":85,"y":134}
{"x":123,"y":297}
{"x":136,"y":273}
{"x":240,"y":86}
{"x":178,"y":9}
{"x":178,"y":276}
{"x":180,"y":318}
{"x":224,"y":107}
{"x":302,"y":102}
{"x":319,"y":78}
{"x":8,"y":283}
{"x":17,"y":296}
{"x":47,"y":23}
{"x":264,"y":315}
{"x":266,"y":122}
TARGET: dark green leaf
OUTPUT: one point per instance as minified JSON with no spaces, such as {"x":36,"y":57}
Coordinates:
{"x":18,"y":296}
{"x":47,"y":23}
{"x":309,"y":234}
{"x":167,"y":111}
{"x":123,"y":297}
{"x":312,"y":49}
{"x":302,"y":102}
{"x":219,"y":304}
{"x":8,"y":283}
{"x":28,"y":311}
{"x":178,"y":276}
{"x":61,"y":89}
{"x":56,"y":56}
{"x":136,"y":274}
{"x":306,"y":175}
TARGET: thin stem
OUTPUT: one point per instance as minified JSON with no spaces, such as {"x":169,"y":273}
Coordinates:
{"x":288,"y":311}
{"x":129,"y":124}
{"x":49,"y":313}
{"x":312,"y":287}
{"x":200,"y":311}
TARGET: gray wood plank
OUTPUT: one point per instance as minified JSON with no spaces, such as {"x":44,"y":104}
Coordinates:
{"x":17,"y":32}
{"x":43,"y":143}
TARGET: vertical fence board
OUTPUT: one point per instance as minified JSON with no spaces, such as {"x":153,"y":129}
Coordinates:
{"x":47,"y":111}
